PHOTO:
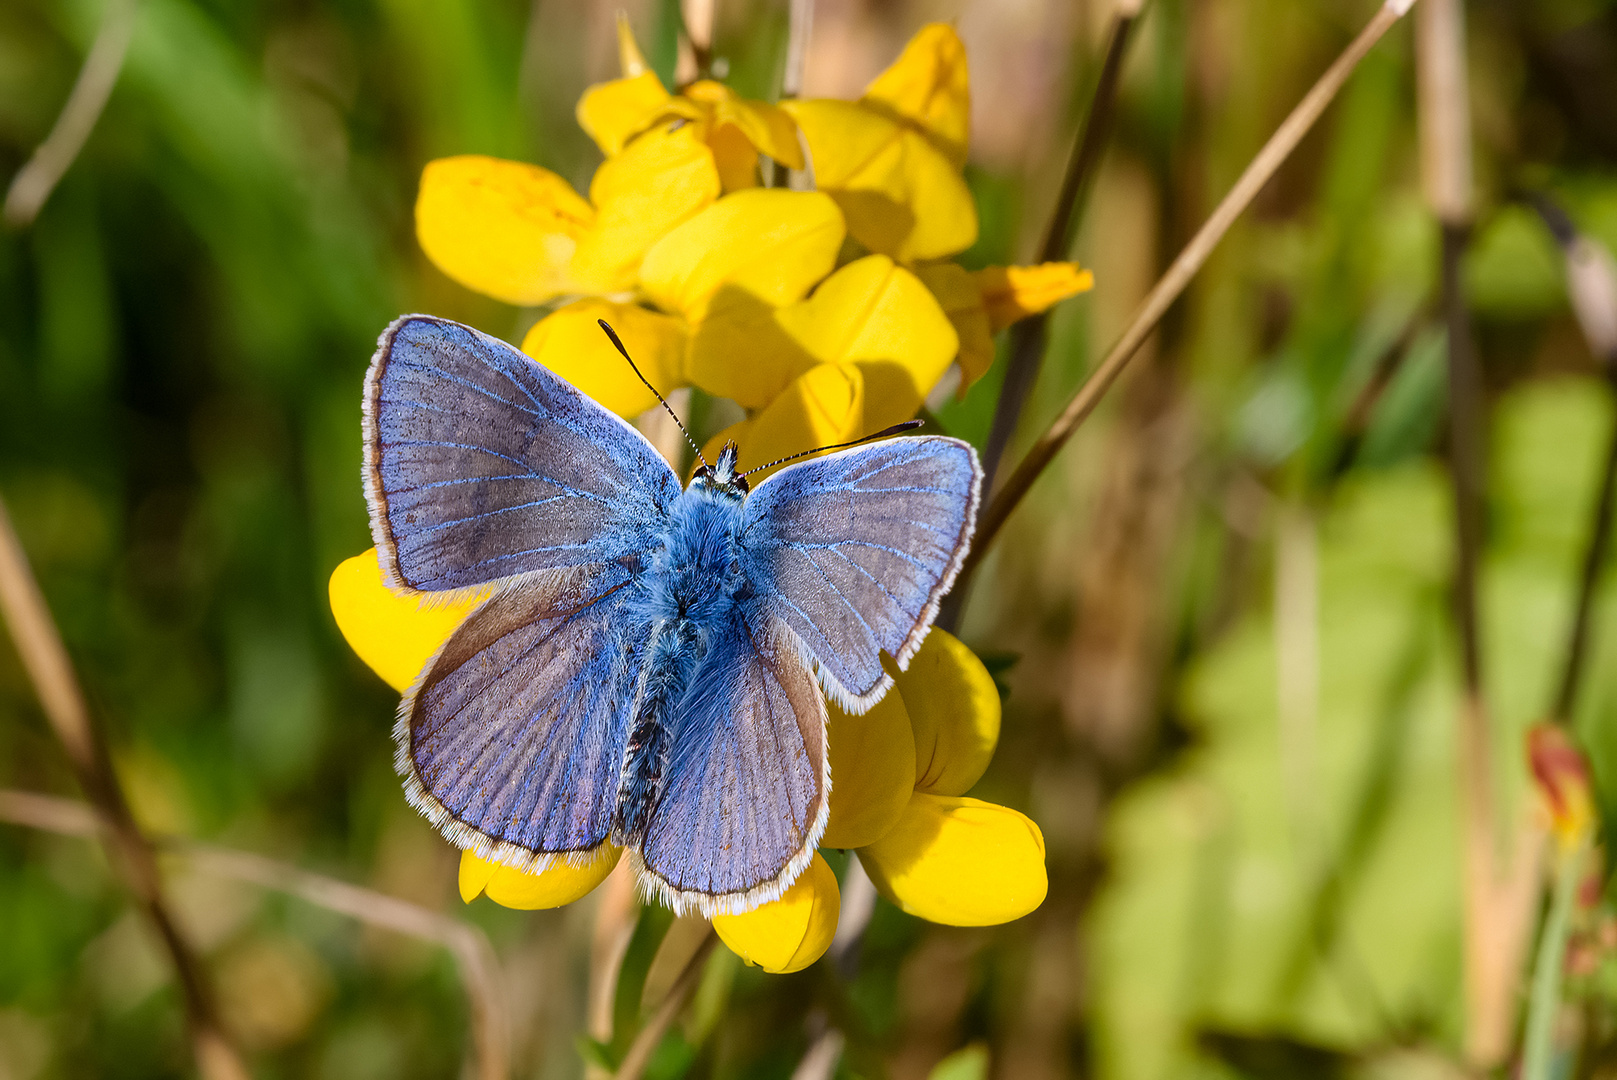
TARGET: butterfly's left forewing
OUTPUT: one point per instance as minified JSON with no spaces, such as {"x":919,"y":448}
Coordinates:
{"x":853,"y":551}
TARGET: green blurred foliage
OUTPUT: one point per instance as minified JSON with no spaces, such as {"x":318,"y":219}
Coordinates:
{"x":182,"y":335}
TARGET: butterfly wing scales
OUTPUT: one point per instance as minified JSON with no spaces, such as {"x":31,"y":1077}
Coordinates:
{"x":852,"y":551}
{"x":744,"y":802}
{"x":480,"y":464}
{"x":513,"y":740}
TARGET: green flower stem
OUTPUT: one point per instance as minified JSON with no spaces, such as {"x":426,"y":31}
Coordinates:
{"x":1538,"y":1045}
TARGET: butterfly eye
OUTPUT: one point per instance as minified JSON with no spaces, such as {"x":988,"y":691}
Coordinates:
{"x":741,"y":482}
{"x":702,"y":474}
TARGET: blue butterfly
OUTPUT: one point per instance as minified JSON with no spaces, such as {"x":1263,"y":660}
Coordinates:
{"x":644,"y":671}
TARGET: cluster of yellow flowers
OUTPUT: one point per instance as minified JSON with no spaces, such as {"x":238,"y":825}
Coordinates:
{"x":826,"y":314}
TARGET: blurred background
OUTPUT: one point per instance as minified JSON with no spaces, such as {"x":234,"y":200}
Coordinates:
{"x":1221,"y":622}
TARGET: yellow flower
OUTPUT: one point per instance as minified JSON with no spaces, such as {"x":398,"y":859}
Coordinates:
{"x":792,"y":932}
{"x":733,"y":128}
{"x":897,"y":772}
{"x":826,"y":315}
{"x":892,"y":159}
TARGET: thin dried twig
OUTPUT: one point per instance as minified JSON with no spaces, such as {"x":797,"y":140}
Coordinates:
{"x":797,"y":42}
{"x":1178,"y":276}
{"x":45,"y":659}
{"x":1028,"y":336}
{"x":36,"y":180}
{"x":650,"y":1036}
{"x":1500,"y":881}
{"x":473,"y":954}
{"x":1592,"y":284}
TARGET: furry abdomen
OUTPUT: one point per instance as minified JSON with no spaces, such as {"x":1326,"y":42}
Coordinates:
{"x":693,"y":580}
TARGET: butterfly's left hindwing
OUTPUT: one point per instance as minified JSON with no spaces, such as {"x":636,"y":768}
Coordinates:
{"x":745,"y":792}
{"x":511,"y":743}
{"x":480,"y":464}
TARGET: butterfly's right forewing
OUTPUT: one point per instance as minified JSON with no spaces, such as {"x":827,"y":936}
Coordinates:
{"x":480,"y":464}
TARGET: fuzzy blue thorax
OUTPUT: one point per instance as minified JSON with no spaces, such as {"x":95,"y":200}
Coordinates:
{"x":693,"y":580}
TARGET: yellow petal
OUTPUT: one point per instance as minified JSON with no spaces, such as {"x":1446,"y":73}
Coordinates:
{"x":954,"y":712}
{"x":902,"y":197}
{"x":661,"y":179}
{"x":873,"y":765}
{"x":768,"y":243}
{"x":878,"y":315}
{"x":728,"y":268}
{"x":824,"y":405}
{"x":475,"y":874}
{"x":570,"y":342}
{"x":928,"y":86}
{"x":614,"y":112}
{"x":631,"y":61}
{"x":560,"y":883}
{"x":395,"y":635}
{"x":962,"y":301}
{"x":1011,"y":293}
{"x":791,"y":933}
{"x":960,"y":862}
{"x":767,"y":127}
{"x":501,"y":228}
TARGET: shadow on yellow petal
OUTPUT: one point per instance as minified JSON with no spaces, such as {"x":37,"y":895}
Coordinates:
{"x":823,"y":406}
{"x":902,"y":197}
{"x":960,"y":862}
{"x":770,"y":244}
{"x":878,"y":315}
{"x":791,"y":933}
{"x":560,"y":883}
{"x":734,"y":157}
{"x":395,"y":635}
{"x":954,"y":712}
{"x":502,"y":228}
{"x":872,"y":772}
{"x":1011,"y":293}
{"x":570,"y":342}
{"x":962,"y":301}
{"x":614,"y":112}
{"x":661,"y":179}
{"x":929,"y":86}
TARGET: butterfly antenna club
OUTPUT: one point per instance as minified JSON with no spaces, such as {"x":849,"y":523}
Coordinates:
{"x":613,"y":334}
{"x":908,"y":425}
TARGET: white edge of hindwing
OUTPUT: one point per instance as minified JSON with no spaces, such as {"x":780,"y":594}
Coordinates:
{"x":650,"y":886}
{"x":859,"y":704}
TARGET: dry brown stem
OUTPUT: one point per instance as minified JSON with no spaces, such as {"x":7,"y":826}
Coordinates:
{"x":45,"y":659}
{"x":1178,"y":276}
{"x":646,"y":1041}
{"x":473,"y":954}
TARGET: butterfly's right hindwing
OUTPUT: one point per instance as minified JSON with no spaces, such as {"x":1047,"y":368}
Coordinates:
{"x":513,"y":739}
{"x":480,"y":464}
